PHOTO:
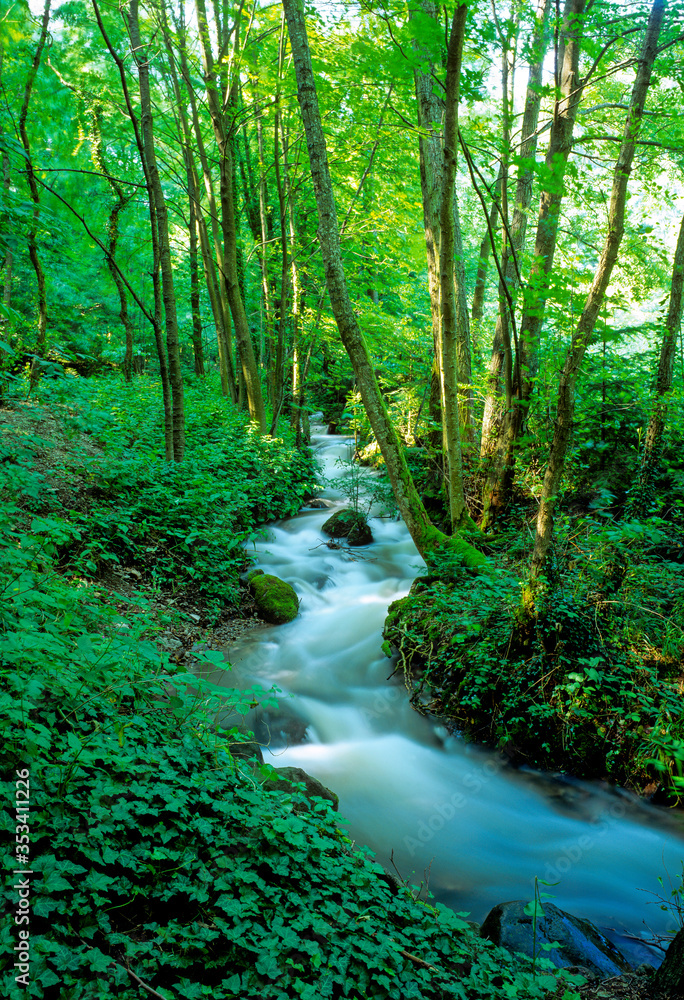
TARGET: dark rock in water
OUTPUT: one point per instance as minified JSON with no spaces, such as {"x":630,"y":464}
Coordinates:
{"x":581,"y":944}
{"x":277,"y":726}
{"x":316,"y":504}
{"x":287,"y":775}
{"x":276,"y":600}
{"x":670,"y":975}
{"x":349,"y":524}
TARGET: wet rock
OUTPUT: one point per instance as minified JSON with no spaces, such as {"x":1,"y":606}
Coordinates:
{"x":276,"y":600}
{"x":581,"y":944}
{"x":349,"y":524}
{"x":316,"y":504}
{"x":670,"y":975}
{"x":246,"y":750}
{"x":277,"y":726}
{"x":313,"y":787}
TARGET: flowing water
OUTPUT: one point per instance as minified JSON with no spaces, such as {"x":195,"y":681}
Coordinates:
{"x":447,"y":813}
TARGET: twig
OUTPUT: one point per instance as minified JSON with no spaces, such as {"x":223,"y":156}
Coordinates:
{"x":419,"y":961}
{"x":141,"y":983}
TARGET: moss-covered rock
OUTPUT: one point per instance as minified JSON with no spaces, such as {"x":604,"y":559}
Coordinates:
{"x":285,"y":777}
{"x":349,"y":524}
{"x":276,"y":600}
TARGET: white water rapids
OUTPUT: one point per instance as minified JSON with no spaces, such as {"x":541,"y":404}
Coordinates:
{"x":481,"y":831}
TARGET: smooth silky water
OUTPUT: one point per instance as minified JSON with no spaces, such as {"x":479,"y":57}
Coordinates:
{"x":449,"y":814}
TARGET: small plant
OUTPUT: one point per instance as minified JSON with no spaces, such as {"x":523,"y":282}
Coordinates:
{"x":535,"y":910}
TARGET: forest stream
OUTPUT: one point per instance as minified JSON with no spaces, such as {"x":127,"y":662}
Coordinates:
{"x":447,"y":811}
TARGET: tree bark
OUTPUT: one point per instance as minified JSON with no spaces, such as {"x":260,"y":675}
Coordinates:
{"x":154,"y":239}
{"x":654,"y":435}
{"x":587,"y":321}
{"x":215,"y":288}
{"x":224,"y":141}
{"x":431,"y":113}
{"x":493,"y":410}
{"x":168,"y":292}
{"x":451,"y":314}
{"x":41,"y":339}
{"x":427,"y":538}
{"x":113,"y":239}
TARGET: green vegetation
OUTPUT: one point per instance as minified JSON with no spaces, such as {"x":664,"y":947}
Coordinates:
{"x":157,"y":855}
{"x":496,"y":315}
{"x":592,"y":685}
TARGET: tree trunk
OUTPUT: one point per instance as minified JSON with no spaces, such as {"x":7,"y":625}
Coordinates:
{"x":427,"y":538}
{"x":502,"y":448}
{"x":477,"y":310}
{"x":197,"y":345}
{"x":511,"y":259}
{"x":154,"y":239}
{"x":656,"y":424}
{"x":113,"y":238}
{"x":168,"y":293}
{"x":216,"y":288}
{"x":451,"y":314}
{"x":585,"y":326}
{"x":41,"y":339}
{"x":224,"y":140}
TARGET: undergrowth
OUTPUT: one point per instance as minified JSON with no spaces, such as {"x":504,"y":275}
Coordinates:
{"x":158,"y":863}
{"x":592,"y":685}
{"x":101,"y":480}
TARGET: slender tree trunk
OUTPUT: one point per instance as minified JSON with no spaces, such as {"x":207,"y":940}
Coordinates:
{"x":224,"y":140}
{"x":194,"y":206}
{"x":477,"y":310}
{"x":7,"y":265}
{"x":426,"y":537}
{"x":113,"y":238}
{"x":197,"y":345}
{"x":587,"y":321}
{"x":501,"y":435}
{"x":451,"y":314}
{"x":433,"y":159}
{"x":513,"y":251}
{"x":216,"y":288}
{"x":154,"y":238}
{"x":279,"y":360}
{"x":41,"y":338}
{"x":650,"y":458}
{"x":267,"y":324}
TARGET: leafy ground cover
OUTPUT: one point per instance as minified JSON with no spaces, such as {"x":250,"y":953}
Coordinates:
{"x":159,"y":864}
{"x":85,"y":456}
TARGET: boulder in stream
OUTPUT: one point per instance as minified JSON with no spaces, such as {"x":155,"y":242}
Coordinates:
{"x":349,"y":524}
{"x":276,"y":600}
{"x":581,"y":944}
{"x":286,"y":776}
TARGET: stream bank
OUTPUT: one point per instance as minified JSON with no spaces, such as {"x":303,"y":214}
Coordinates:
{"x":452,"y":817}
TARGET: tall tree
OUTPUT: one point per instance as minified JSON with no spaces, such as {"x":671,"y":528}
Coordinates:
{"x":220,"y":90}
{"x":517,"y":360}
{"x":41,"y":338}
{"x":428,"y":539}
{"x":654,"y":434}
{"x":582,"y":334}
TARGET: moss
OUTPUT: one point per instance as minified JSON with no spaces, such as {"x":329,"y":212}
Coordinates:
{"x":276,"y":600}
{"x":349,"y":524}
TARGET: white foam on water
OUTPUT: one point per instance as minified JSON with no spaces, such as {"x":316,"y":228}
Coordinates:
{"x":482,"y":830}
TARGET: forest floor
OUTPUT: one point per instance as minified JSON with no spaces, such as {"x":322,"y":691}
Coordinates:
{"x":68,"y":478}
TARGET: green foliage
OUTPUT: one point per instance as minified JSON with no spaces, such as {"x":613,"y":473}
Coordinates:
{"x":591,"y":685}
{"x":156,"y":854}
{"x":115,"y":502}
